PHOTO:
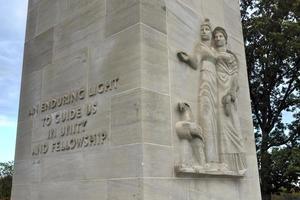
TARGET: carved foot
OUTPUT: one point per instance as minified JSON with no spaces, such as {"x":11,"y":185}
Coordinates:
{"x":213,"y":167}
{"x":242,"y":172}
{"x":184,"y":168}
{"x":198,"y":169}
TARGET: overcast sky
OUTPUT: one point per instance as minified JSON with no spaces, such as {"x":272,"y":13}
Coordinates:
{"x":12,"y":33}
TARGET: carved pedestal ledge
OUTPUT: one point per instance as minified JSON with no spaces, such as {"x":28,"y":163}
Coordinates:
{"x":207,"y":170}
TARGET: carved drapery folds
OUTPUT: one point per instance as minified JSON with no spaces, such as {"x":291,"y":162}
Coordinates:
{"x":215,"y":137}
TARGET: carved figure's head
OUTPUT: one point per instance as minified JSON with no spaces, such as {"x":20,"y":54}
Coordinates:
{"x":220,"y":36}
{"x":206,"y":30}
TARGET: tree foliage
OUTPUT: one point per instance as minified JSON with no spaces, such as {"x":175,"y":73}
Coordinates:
{"x":272,"y":38}
{"x":285,"y":165}
{"x":6,"y":173}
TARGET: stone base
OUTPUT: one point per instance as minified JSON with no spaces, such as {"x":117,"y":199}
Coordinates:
{"x":210,"y":169}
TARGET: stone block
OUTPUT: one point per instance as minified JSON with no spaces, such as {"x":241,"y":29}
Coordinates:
{"x":38,"y":52}
{"x":183,"y":18}
{"x":140,"y":115}
{"x":118,"y":57}
{"x":244,"y":191}
{"x":232,"y":18}
{"x":113,"y":163}
{"x":25,"y":173}
{"x":125,"y":189}
{"x":179,"y":189}
{"x":62,"y":167}
{"x":194,"y":5}
{"x":252,"y":173}
{"x":31,"y":24}
{"x":39,"y":132}
{"x":32,"y":4}
{"x":153,"y":13}
{"x":155,"y":116}
{"x":23,"y":142}
{"x":30,"y":94}
{"x":77,"y":8}
{"x":121,"y":15}
{"x":155,"y":69}
{"x":214,"y":10}
{"x":47,"y":15}
{"x":83,"y":28}
{"x":198,"y":195}
{"x":65,"y":75}
{"x":69,"y":190}
{"x":233,"y":4}
{"x":223,"y":189}
{"x":126,"y":114}
{"x":126,"y":161}
{"x":93,"y":190}
{"x":158,"y":161}
{"x":158,"y":189}
{"x":185,"y":84}
{"x":179,"y":29}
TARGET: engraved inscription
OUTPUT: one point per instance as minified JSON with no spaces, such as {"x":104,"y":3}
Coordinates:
{"x":73,"y":96}
{"x":67,"y":130}
{"x":66,"y":127}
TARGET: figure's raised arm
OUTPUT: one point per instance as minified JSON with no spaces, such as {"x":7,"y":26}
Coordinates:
{"x":185,"y":58}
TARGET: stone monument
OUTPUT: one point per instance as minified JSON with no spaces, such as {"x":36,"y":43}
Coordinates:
{"x":135,"y":99}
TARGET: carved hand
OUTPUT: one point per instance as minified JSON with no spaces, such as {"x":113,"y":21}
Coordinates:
{"x":226,"y":100}
{"x":233,"y":97}
{"x":181,"y":106}
{"x":183,"y":57}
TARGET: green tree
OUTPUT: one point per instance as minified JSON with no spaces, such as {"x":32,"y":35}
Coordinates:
{"x":6,"y":173}
{"x":271,"y":35}
{"x":285,"y":168}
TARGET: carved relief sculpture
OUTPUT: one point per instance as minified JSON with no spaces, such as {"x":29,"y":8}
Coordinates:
{"x":190,"y":133}
{"x":217,"y":109}
{"x":204,"y":58}
{"x":231,"y":141}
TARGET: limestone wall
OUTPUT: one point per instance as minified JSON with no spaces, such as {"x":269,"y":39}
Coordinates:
{"x":100,"y":88}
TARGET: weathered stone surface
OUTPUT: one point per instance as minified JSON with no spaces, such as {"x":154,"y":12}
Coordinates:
{"x":140,"y":111}
{"x":23,"y":142}
{"x":158,"y":161}
{"x":156,"y":126}
{"x":38,"y":52}
{"x":47,"y":15}
{"x":81,"y":26}
{"x":99,"y":101}
{"x":30,"y":92}
{"x":121,"y":15}
{"x":31,"y":24}
{"x":155,"y":69}
{"x":118,"y":56}
{"x":126,"y":114}
{"x":65,"y":74}
{"x":153,"y":14}
{"x":126,"y":189}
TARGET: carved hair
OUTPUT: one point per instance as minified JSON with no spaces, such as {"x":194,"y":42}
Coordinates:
{"x":207,"y":23}
{"x":221,"y":30}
